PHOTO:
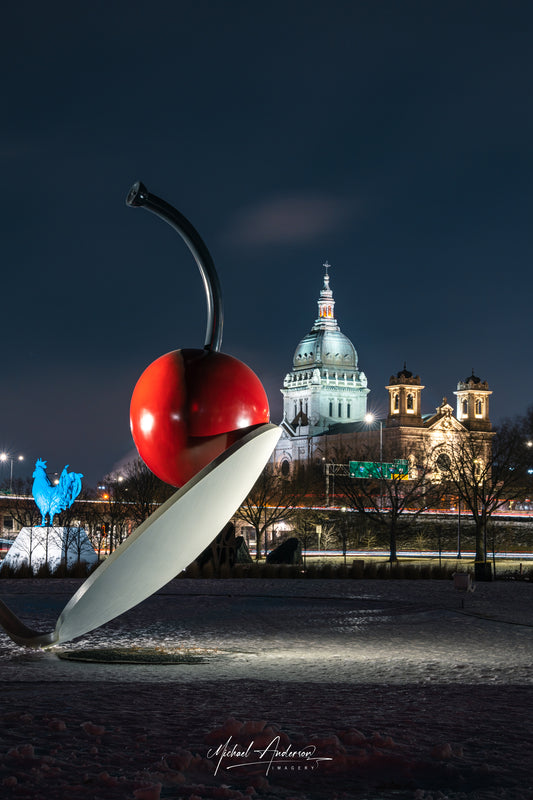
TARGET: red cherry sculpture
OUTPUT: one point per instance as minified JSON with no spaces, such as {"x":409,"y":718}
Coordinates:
{"x":189,"y":406}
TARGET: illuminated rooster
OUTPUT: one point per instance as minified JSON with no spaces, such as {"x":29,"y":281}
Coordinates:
{"x":53,"y":499}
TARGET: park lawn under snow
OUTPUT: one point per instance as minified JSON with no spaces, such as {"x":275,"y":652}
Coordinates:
{"x":305,"y":689}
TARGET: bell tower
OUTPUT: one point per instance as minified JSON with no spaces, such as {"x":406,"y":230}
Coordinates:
{"x":404,"y":400}
{"x":473,"y":403}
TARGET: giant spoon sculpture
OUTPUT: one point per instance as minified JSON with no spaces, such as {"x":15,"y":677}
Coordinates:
{"x":199,"y":419}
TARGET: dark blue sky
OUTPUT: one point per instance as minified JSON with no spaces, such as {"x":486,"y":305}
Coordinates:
{"x":393,"y":139}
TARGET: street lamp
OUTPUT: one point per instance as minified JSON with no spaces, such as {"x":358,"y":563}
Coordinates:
{"x":7,"y":457}
{"x":369,"y":418}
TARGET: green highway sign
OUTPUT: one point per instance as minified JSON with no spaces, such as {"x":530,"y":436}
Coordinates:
{"x":366,"y":469}
{"x":380,"y":469}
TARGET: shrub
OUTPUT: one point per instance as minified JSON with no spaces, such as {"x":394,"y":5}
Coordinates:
{"x":19,"y":571}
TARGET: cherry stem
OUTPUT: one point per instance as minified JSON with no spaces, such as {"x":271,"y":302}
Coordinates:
{"x":140,"y":196}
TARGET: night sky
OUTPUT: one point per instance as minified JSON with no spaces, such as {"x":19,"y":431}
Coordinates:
{"x":393,"y":139}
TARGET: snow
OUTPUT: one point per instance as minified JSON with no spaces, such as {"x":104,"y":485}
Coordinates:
{"x":399,"y":689}
{"x":47,"y":545}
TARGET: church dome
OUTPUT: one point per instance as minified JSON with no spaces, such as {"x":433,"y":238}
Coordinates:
{"x":328,"y":348}
{"x":325,"y":345}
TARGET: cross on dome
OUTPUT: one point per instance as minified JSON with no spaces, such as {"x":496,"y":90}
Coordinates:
{"x":326,"y":291}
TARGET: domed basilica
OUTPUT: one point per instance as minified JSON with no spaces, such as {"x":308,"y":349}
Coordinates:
{"x":325,"y":401}
{"x":325,"y":385}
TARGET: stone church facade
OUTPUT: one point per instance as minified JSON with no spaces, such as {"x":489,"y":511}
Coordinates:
{"x":325,"y":404}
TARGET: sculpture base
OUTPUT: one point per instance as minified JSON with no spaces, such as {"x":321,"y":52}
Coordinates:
{"x":134,"y":655}
{"x":37,"y":546}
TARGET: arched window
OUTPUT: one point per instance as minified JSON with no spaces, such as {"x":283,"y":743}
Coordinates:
{"x":444,"y":462}
{"x":348,"y":410}
{"x":330,"y":408}
{"x":410,"y":402}
{"x":285,"y":468}
{"x":479,"y":408}
{"x":396,"y":403}
{"x":340,"y":410}
{"x":465,"y":408}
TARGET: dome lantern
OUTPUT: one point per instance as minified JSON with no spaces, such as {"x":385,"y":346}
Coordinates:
{"x":326,"y":306}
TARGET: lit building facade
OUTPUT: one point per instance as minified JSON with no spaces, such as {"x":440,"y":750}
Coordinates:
{"x":324,"y":388}
{"x":325,"y":404}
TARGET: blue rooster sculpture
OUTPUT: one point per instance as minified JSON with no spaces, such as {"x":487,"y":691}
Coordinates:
{"x":53,"y":499}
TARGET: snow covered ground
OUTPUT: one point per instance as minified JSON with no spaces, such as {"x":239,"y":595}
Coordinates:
{"x":304,"y":689}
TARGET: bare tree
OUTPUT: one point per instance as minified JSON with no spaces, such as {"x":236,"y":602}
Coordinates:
{"x":273,"y":498}
{"x":95,"y":526}
{"x":141,"y":491}
{"x":326,"y":536}
{"x":113,"y":515}
{"x":25,"y":513}
{"x":486,"y":472}
{"x":391,"y":497}
{"x":22,"y":505}
{"x":305,"y":522}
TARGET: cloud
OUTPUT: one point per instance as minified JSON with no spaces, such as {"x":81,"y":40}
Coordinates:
{"x":292,"y":219}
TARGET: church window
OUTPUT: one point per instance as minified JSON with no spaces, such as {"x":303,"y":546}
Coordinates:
{"x":444,"y":462}
{"x":330,"y":409}
{"x":479,"y":408}
{"x":348,"y":410}
{"x":396,"y":403}
{"x":340,"y":410}
{"x":410,"y":402}
{"x":465,"y":408}
{"x":285,"y":468}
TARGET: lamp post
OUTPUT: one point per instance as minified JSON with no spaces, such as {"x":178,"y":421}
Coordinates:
{"x":344,"y":532}
{"x":370,"y":418}
{"x":459,"y":528}
{"x":7,"y":457}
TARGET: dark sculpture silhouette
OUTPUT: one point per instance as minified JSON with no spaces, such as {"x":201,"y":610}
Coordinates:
{"x":225,"y":549}
{"x":288,"y":552}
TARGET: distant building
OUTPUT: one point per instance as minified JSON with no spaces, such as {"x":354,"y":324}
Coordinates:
{"x":324,"y":389}
{"x":325,"y":403}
